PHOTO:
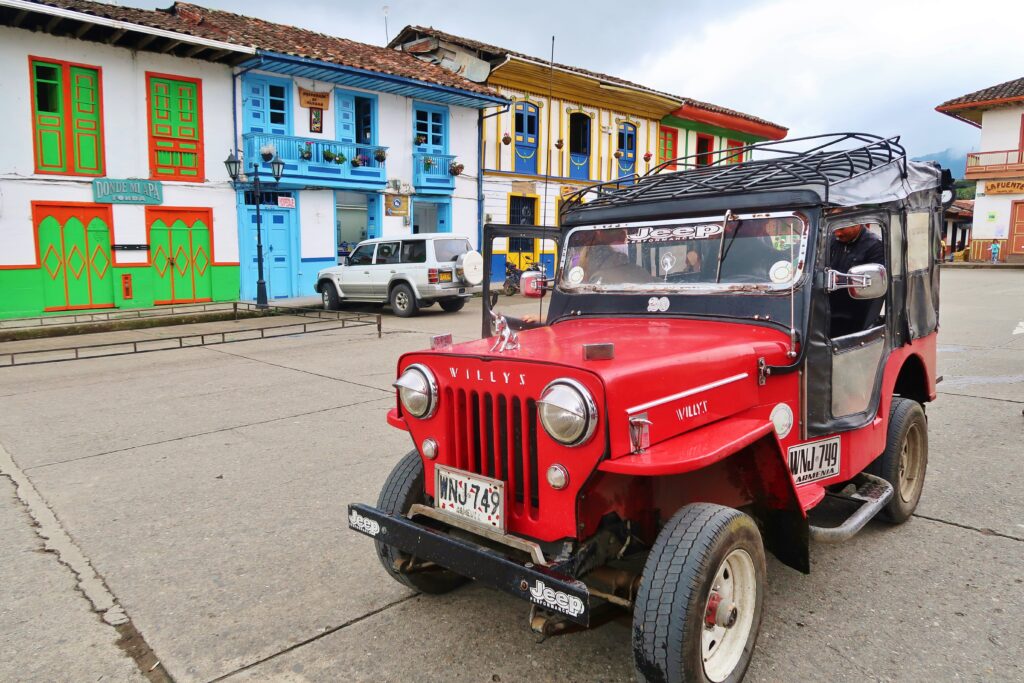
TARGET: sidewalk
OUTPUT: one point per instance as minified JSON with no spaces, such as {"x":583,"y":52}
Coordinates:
{"x":982,"y":264}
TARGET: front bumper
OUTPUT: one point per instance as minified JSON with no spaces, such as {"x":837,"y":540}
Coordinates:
{"x":542,"y":586}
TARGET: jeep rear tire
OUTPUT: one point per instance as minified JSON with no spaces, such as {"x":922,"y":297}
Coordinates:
{"x":403,"y":301}
{"x":698,"y":611}
{"x":452,"y":305}
{"x":329,"y":294}
{"x":403,"y":488}
{"x":905,"y":459}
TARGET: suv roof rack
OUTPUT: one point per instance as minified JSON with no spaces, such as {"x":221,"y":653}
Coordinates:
{"x":818,"y":161}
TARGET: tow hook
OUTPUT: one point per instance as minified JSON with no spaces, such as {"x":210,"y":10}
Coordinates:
{"x":720,"y":613}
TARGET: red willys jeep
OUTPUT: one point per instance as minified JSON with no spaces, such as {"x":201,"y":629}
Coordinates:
{"x":705,"y":387}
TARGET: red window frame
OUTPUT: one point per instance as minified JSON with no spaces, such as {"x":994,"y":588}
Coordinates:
{"x":68,"y":125}
{"x":151,"y":139}
{"x":705,"y":158}
{"x":668,"y":146}
{"x":733,"y":144}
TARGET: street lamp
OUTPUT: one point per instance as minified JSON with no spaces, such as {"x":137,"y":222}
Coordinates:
{"x":233,"y":166}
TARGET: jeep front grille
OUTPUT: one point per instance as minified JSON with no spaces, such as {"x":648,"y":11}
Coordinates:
{"x":495,"y":435}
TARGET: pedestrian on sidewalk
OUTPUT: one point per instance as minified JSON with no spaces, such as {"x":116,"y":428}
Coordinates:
{"x":994,"y":250}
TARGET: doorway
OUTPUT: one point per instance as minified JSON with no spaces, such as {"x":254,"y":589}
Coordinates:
{"x":280,"y":246}
{"x":179,"y":252}
{"x":74,"y":253}
{"x":431,"y":215}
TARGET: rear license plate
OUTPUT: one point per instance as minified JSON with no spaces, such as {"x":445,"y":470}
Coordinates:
{"x":444,"y":276}
{"x":814,"y":460}
{"x":478,"y":499}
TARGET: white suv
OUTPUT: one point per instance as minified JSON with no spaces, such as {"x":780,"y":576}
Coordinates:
{"x":409,"y":273}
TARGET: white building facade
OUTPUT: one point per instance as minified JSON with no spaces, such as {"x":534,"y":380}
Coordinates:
{"x":998,"y":168}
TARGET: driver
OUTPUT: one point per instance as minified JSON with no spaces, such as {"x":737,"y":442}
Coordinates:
{"x":852,"y":246}
{"x":604,"y":262}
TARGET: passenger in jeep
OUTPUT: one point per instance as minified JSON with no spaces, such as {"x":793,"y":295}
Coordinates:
{"x":853,"y":245}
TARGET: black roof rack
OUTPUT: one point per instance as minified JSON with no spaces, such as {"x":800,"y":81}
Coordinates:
{"x":820,"y":162}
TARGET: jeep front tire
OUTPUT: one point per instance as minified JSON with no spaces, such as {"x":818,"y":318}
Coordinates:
{"x":329,"y":294}
{"x":698,"y":611}
{"x":403,"y":488}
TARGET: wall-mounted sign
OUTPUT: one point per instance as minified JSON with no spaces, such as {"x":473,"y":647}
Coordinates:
{"x":1004,"y":187}
{"x":127,"y":191}
{"x":396,"y":205}
{"x":991,"y":218}
{"x":286,"y":202}
{"x":567,"y":190}
{"x":314,"y":100}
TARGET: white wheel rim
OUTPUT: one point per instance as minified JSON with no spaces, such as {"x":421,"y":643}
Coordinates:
{"x":735,"y":584}
{"x":910,"y":465}
{"x":401,"y":300}
{"x":327,"y":299}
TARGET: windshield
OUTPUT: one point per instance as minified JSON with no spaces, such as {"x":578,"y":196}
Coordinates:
{"x":726,"y":253}
{"x":450,"y":250}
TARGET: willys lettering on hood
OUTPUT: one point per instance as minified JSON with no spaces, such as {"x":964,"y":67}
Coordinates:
{"x":488,"y":376}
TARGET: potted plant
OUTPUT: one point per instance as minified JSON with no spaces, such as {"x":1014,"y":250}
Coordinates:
{"x":380,"y":155}
{"x":506,"y":139}
{"x":420,"y":139}
{"x":306,"y":151}
{"x":340,"y":158}
{"x":559,"y":143}
{"x":455,"y":168}
{"x":428,"y":163}
{"x":647,"y":156}
{"x":328,"y":155}
{"x":360,"y":160}
{"x":618,"y":154}
{"x":267,"y":152}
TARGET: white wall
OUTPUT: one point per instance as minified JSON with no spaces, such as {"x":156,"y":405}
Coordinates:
{"x":1001,"y":129}
{"x":996,"y":207}
{"x":125,"y":142}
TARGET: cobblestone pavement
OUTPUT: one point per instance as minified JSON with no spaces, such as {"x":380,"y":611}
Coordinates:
{"x":198,"y":497}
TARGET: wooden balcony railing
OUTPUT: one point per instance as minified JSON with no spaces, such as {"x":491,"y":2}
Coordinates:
{"x":987,"y":164}
{"x":430,"y":172}
{"x":341,"y":164}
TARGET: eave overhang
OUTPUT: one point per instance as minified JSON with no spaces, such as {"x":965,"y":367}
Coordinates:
{"x":690,"y":112}
{"x":65,"y":23}
{"x":303,"y":67}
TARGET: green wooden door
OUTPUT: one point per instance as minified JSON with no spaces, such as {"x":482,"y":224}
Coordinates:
{"x":160,"y":257}
{"x":74,"y":247}
{"x":181,"y":251}
{"x":201,"y":272}
{"x":179,"y":247}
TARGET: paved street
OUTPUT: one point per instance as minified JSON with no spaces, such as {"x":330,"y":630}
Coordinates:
{"x":206,"y":489}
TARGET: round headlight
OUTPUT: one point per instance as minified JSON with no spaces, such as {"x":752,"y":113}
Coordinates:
{"x":417,"y":389}
{"x":567,"y":412}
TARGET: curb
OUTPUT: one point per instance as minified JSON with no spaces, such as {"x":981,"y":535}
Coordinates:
{"x":992,"y":266}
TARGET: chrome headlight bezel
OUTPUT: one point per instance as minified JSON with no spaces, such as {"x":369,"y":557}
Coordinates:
{"x":418,"y":378}
{"x":585,"y":409}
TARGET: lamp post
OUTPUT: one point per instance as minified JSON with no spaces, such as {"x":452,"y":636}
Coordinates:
{"x":233,"y":166}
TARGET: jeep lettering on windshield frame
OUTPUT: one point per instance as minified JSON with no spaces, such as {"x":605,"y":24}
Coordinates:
{"x":709,"y":383}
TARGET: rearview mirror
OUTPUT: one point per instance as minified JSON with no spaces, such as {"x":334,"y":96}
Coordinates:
{"x":531,"y":284}
{"x":866,"y":281}
{"x":343,"y":260}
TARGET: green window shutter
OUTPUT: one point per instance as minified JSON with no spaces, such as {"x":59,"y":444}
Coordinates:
{"x":175,"y":129}
{"x":49,"y":114}
{"x":86,"y":120}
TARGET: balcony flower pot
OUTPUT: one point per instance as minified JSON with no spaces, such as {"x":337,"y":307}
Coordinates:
{"x":380,"y":155}
{"x":306,"y":151}
{"x":428,"y":163}
{"x":618,"y":154}
{"x":340,"y":159}
{"x":559,"y":143}
{"x":456,"y":168}
{"x":506,"y":139}
{"x":267,"y":152}
{"x":420,"y":139}
{"x":360,"y":160}
{"x":328,"y":155}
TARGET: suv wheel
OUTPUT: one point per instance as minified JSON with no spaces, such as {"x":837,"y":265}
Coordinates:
{"x":404,"y":486}
{"x":452,"y":305}
{"x":904,"y":460}
{"x":403,"y":301}
{"x":698,"y":611}
{"x":330,"y":297}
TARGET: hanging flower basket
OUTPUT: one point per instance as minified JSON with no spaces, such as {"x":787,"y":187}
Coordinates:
{"x":380,"y":155}
{"x":306,"y":151}
{"x":506,"y":139}
{"x":455,"y":168}
{"x":340,"y":159}
{"x":618,"y":154}
{"x":360,"y":160}
{"x":267,"y":152}
{"x":328,"y":155}
{"x":428,"y":163}
{"x":647,"y":156}
{"x":420,"y":139}
{"x":559,"y":143}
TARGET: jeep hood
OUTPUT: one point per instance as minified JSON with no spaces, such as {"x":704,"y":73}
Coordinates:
{"x":679,"y":374}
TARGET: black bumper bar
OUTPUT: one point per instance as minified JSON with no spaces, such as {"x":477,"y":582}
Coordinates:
{"x":546,"y":588}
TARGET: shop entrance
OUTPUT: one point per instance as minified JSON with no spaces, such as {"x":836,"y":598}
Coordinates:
{"x":1017,"y":228}
{"x":179,"y":250}
{"x":355,"y":219}
{"x":522,"y":250}
{"x":74,"y":252}
{"x":430,"y":215}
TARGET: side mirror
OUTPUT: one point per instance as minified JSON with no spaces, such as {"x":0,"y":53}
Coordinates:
{"x":343,"y":261}
{"x":531,"y":284}
{"x":867,"y":281}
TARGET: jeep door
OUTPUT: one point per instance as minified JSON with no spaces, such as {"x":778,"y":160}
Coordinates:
{"x":355,"y":277}
{"x":385,"y":266}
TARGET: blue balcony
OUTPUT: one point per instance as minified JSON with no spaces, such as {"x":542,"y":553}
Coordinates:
{"x":431,"y":173}
{"x":329,"y":164}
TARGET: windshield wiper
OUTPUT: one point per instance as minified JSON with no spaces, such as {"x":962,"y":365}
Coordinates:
{"x":721,"y":245}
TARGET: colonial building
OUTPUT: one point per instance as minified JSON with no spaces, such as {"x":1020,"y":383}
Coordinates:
{"x":998,"y":168}
{"x":113,"y":190}
{"x":567,"y":127}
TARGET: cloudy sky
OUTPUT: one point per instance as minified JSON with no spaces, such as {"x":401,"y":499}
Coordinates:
{"x":878,"y":66}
